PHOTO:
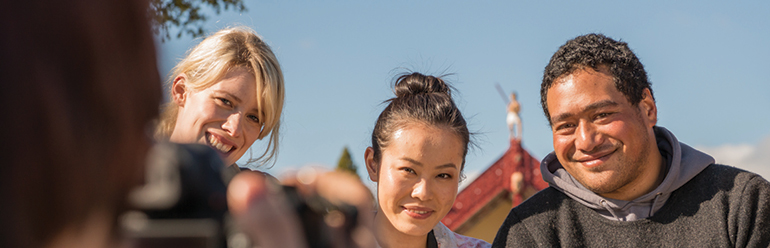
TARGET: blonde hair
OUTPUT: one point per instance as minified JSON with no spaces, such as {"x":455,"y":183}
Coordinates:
{"x":209,"y":61}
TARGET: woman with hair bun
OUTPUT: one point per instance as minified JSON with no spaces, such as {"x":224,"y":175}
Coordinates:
{"x":417,"y":156}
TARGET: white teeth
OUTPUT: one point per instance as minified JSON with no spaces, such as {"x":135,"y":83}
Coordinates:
{"x":219,"y":146}
{"x":417,"y":212}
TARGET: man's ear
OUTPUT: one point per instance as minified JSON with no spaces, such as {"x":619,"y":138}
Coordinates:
{"x":179,"y":89}
{"x":648,"y":108}
{"x":371,"y":166}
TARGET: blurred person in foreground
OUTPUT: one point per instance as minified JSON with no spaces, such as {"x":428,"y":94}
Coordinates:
{"x":619,"y":180}
{"x":80,"y":86}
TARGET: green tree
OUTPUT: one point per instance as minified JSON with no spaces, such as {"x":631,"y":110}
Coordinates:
{"x":185,"y":15}
{"x":346,"y":162}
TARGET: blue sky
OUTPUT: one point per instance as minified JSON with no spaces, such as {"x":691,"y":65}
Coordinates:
{"x":707,"y":61}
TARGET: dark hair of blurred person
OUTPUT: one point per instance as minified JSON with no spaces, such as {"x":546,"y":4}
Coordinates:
{"x":79,"y":87}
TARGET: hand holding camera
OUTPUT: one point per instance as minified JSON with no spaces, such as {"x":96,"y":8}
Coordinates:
{"x":183,"y":204}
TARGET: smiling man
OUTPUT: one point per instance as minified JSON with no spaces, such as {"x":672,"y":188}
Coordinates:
{"x":616,"y":179}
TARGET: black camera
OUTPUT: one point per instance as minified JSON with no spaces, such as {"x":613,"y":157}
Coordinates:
{"x":183,"y":204}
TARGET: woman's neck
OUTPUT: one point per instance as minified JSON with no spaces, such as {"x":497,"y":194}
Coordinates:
{"x":390,"y":237}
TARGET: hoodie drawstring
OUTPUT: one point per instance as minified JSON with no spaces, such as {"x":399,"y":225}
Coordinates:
{"x":654,"y":201}
{"x":606,"y":206}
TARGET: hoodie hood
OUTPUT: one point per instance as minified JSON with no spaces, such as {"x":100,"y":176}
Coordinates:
{"x":682,"y":164}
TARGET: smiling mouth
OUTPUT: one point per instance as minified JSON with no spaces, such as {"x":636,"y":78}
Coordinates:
{"x":219,"y":146}
{"x":417,"y":211}
{"x":595,"y":160}
{"x":418,"y":214}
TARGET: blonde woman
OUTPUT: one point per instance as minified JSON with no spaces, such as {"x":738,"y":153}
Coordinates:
{"x":226,"y":93}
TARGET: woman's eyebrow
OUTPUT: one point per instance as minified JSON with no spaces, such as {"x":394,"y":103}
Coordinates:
{"x":415,"y":162}
{"x":237,"y":99}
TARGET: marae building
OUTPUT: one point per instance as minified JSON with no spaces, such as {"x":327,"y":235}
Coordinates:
{"x":481,"y":207}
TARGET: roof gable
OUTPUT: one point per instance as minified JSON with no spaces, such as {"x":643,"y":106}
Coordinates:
{"x":495,"y":182}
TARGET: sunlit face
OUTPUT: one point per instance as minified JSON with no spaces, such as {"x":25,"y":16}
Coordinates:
{"x":224,"y":116}
{"x":417,"y":177}
{"x":599,"y":137}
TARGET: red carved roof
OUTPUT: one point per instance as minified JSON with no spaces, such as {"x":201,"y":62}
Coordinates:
{"x":494,"y":181}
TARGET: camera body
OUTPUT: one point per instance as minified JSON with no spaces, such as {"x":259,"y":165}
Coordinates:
{"x":183,"y":203}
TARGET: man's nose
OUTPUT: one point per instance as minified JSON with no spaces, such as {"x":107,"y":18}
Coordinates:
{"x":586,"y":137}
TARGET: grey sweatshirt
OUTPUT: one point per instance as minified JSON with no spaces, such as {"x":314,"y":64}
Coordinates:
{"x":646,"y":205}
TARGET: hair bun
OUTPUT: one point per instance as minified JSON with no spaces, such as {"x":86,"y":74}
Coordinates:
{"x":416,"y":83}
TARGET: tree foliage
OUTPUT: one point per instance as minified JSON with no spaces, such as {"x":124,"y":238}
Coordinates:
{"x":346,"y":162}
{"x":186,"y":15}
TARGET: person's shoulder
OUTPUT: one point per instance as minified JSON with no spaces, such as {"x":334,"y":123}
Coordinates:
{"x":450,"y":239}
{"x":533,"y":217}
{"x":549,"y":197}
{"x":744,"y":181}
{"x":719,"y":182}
{"x":721,"y":168}
{"x":538,"y":209}
{"x":726,"y":174}
{"x":744,"y":201}
{"x":470,"y":242}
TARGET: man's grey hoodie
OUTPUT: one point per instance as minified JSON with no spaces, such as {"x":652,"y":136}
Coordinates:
{"x":682,"y":163}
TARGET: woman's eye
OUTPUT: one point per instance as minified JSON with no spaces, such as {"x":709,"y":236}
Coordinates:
{"x":254,"y":118}
{"x":225,"y":101}
{"x":409,"y":170}
{"x":445,"y":176}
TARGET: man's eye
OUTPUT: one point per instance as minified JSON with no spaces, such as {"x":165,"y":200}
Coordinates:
{"x":408,"y":170}
{"x":564,"y":126}
{"x":602,"y":115}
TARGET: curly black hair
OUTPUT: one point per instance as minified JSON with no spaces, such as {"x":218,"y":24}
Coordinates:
{"x":594,"y":50}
